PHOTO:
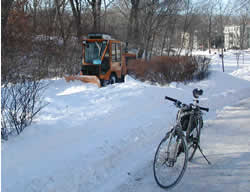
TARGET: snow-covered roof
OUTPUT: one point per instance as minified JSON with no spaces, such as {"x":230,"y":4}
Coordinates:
{"x":99,"y":36}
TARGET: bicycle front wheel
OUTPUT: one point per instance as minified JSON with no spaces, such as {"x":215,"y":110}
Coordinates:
{"x":170,"y":161}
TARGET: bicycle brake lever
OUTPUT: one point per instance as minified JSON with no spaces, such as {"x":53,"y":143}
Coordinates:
{"x":178,"y":104}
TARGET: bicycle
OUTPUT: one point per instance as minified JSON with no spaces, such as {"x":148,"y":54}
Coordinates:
{"x":180,"y":143}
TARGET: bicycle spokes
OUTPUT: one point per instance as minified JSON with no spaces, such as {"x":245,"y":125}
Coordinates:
{"x":169,"y":162}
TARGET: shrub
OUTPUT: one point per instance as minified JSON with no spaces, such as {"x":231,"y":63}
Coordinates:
{"x":202,"y":67}
{"x":165,"y":69}
{"x":20,"y":103}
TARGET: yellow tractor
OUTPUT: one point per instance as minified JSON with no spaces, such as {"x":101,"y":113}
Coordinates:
{"x":103,"y":62}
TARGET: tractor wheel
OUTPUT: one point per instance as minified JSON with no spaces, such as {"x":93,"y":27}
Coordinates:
{"x":113,"y":79}
{"x":105,"y":82}
{"x":122,"y":79}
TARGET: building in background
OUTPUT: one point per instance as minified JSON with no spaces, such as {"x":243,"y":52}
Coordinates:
{"x":189,"y":41}
{"x":236,"y":36}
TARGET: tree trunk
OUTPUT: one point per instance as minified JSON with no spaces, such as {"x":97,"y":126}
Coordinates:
{"x":6,"y":7}
{"x":133,"y":25}
{"x":94,"y":14}
{"x":209,"y":33}
{"x":152,"y":46}
{"x":164,"y":41}
{"x":35,"y":6}
{"x":60,"y":19}
{"x":99,"y":4}
{"x":77,"y":16}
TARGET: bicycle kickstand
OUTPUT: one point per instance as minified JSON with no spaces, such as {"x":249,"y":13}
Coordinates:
{"x":204,"y":155}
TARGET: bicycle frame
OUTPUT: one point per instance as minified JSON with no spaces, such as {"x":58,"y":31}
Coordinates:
{"x":195,"y":114}
{"x":172,"y":158}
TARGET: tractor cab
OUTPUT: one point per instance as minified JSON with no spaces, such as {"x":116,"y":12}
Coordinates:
{"x":94,"y":48}
{"x":100,"y":54}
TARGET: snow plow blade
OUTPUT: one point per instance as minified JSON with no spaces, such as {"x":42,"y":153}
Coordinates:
{"x":85,"y":79}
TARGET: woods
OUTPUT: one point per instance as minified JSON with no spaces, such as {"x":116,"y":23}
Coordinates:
{"x":150,"y":25}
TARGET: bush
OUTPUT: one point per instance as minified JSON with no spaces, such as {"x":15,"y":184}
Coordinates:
{"x":165,"y":69}
{"x":202,"y":67}
{"x":22,"y":70}
{"x":20,"y":103}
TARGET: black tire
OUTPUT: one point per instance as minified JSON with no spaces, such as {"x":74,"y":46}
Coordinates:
{"x":113,"y":78}
{"x":167,"y":173}
{"x":105,"y":83}
{"x":122,"y":79}
{"x":194,"y":141}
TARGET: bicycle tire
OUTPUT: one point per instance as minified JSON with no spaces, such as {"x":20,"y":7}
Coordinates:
{"x":161,"y":154}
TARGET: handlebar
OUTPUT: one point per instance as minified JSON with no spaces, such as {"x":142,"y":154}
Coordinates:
{"x":204,"y":109}
{"x":171,"y":99}
{"x":178,"y":103}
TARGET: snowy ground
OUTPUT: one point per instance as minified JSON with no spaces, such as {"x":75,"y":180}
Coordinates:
{"x":89,"y":139}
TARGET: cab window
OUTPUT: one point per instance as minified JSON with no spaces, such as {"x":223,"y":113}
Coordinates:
{"x":116,"y":52}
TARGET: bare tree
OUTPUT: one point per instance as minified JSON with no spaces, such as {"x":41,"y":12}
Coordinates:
{"x":5,"y":10}
{"x":65,"y":24}
{"x":133,"y":23}
{"x":168,"y":37}
{"x":225,"y":10}
{"x":34,"y":9}
{"x":96,"y":13}
{"x":6,"y":6}
{"x":153,"y":17}
{"x":76,"y":6}
{"x":242,"y":3}
{"x":189,"y":15}
{"x":107,"y":4}
{"x":244,"y":21}
{"x":209,"y":9}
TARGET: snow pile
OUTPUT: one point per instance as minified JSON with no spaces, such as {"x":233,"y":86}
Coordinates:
{"x":91,"y":139}
{"x":243,"y":73}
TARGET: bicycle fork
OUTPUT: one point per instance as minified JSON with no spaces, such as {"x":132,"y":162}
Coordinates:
{"x":172,"y":153}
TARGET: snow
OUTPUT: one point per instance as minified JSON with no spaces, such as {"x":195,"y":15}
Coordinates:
{"x":91,"y":139}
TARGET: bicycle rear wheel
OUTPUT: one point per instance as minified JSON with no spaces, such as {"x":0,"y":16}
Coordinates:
{"x":168,"y":171}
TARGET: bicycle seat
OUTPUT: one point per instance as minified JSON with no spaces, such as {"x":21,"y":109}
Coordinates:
{"x":197,"y":93}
